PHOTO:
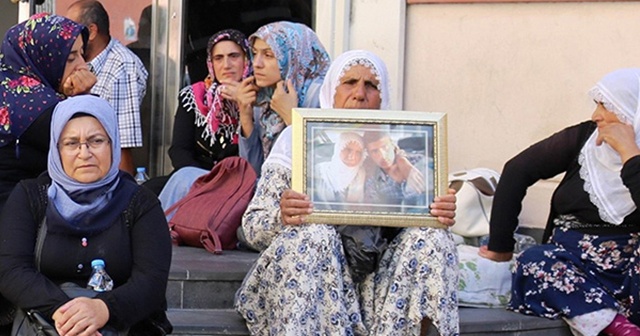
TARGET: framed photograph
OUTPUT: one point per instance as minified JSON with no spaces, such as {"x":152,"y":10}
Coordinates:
{"x":365,"y":167}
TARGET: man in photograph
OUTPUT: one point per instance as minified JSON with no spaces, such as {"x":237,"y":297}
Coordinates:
{"x":392,"y":179}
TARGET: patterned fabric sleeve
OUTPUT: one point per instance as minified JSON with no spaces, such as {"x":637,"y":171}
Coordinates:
{"x":261,"y":221}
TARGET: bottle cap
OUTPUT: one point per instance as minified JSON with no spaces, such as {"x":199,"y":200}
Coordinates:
{"x":97,"y":262}
{"x":140,"y":169}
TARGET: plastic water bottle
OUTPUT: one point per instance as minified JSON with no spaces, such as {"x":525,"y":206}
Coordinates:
{"x":141,"y":175}
{"x":100,"y":281}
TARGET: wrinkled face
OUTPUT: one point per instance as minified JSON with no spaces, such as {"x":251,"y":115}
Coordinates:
{"x":351,"y":154}
{"x":603,"y":117}
{"x":357,"y":89}
{"x":75,"y":60}
{"x":85,"y":149}
{"x":382,"y":152}
{"x":228,"y":62}
{"x":265,"y":64}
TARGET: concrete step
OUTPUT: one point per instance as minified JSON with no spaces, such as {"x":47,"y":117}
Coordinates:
{"x":474,"y":322}
{"x":207,"y":322}
{"x":202,"y":286}
{"x":202,"y":280}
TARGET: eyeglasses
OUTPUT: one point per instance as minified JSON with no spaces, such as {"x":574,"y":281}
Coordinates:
{"x":95,"y":143}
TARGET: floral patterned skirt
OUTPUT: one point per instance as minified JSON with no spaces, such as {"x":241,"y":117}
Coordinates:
{"x":577,"y":274}
{"x":301,"y":285}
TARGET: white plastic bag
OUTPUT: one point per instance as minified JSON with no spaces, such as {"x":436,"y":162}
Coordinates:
{"x":475,"y":189}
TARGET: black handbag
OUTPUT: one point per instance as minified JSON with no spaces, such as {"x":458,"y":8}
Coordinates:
{"x":31,"y":323}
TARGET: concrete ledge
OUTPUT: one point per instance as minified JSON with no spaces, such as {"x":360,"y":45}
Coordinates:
{"x":202,"y":287}
{"x":473,"y":322}
{"x":484,"y":321}
{"x":207,"y":322}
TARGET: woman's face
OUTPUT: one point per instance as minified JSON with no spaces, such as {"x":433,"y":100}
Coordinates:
{"x":85,"y":149}
{"x":265,"y":64}
{"x":357,"y":89}
{"x":602,"y":116}
{"x":75,"y":60}
{"x":228,"y":62}
{"x":351,"y":154}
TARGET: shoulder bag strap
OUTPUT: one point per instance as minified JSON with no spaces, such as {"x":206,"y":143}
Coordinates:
{"x":42,"y":232}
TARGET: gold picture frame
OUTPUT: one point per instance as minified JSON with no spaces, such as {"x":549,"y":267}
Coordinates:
{"x":359,"y":185}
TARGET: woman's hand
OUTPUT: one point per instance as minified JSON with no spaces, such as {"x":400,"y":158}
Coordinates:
{"x":495,"y":256}
{"x":81,"y":316}
{"x":282,"y":101}
{"x":230,"y":90}
{"x":620,"y":137}
{"x":245,"y":96}
{"x":80,"y":81}
{"x":444,"y":207}
{"x":294,"y":207}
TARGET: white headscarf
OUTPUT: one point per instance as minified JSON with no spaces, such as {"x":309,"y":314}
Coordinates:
{"x":337,"y":174}
{"x":619,"y":92}
{"x":342,"y":64}
{"x":281,"y":151}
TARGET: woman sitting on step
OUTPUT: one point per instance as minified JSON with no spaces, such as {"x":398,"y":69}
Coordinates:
{"x":587,"y":273}
{"x":85,"y":208}
{"x":302,"y":285}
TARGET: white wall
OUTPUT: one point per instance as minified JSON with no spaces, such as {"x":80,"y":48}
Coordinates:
{"x":507,"y":74}
{"x":511,"y":74}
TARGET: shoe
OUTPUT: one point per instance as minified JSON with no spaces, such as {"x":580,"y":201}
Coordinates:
{"x":621,"y":326}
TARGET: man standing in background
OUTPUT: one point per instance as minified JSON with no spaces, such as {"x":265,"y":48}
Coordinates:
{"x":122,"y":78}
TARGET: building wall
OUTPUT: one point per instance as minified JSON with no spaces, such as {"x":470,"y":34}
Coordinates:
{"x":123,"y":16}
{"x":507,"y":74}
{"x":8,"y":15}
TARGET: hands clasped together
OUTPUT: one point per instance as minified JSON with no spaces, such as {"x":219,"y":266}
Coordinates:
{"x":81,"y":316}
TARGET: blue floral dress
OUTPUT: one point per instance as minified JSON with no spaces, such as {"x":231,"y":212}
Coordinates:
{"x":578,"y":273}
{"x":301,"y":285}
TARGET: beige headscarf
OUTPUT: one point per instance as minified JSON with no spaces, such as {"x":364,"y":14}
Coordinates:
{"x":342,"y":64}
{"x":619,"y":91}
{"x":338,"y":176}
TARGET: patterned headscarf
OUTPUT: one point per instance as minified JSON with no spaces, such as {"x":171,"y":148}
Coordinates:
{"x":301,"y":59}
{"x":619,"y":92}
{"x":85,"y":207}
{"x":32,"y":60}
{"x":343,"y":63}
{"x":218,"y":114}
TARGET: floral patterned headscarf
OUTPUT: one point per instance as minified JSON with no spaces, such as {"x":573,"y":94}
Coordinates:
{"x":32,"y":61}
{"x":301,"y":59}
{"x":218,"y":114}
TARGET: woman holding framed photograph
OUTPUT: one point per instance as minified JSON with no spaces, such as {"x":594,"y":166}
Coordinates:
{"x":302,"y":283}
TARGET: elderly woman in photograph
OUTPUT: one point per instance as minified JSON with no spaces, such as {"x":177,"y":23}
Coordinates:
{"x":341,"y":180}
{"x":301,"y":283}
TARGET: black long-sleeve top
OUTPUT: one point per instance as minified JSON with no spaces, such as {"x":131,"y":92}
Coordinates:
{"x":26,"y":158}
{"x":137,"y":257}
{"x":545,"y":159}
{"x":189,"y":146}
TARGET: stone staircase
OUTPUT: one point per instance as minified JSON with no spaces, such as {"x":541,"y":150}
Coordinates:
{"x":202,"y":287}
